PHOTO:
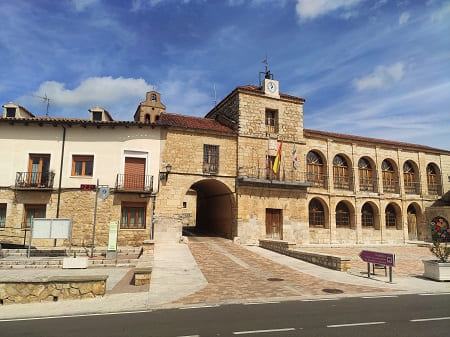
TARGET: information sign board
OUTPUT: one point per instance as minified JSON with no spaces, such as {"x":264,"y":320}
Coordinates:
{"x":112,"y":240}
{"x":387,"y":259}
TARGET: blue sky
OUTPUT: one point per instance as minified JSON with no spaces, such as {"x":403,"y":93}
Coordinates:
{"x":376,"y":68}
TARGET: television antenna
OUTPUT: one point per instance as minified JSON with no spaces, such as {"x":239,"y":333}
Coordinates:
{"x":46,"y":100}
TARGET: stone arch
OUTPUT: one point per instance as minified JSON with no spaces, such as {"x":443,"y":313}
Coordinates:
{"x":317,"y":207}
{"x":351,"y":213}
{"x":367,"y":173}
{"x":417,"y":229}
{"x":411,"y":177}
{"x":316,"y":168}
{"x":433,"y":179}
{"x":214,"y":208}
{"x":342,"y":171}
{"x":375,"y":215}
{"x":393,"y":215}
{"x":390,"y":179}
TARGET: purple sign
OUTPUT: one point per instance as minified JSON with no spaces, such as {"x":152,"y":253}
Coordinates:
{"x":377,"y":257}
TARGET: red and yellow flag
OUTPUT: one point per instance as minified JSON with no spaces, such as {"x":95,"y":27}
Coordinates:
{"x":276,"y":163}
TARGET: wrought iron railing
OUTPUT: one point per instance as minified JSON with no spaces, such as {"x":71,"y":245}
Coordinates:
{"x":434,"y":189}
{"x":368,"y":184}
{"x":391,"y":186}
{"x":34,"y":179}
{"x":343,"y":182}
{"x":134,"y":182}
{"x":412,"y":187}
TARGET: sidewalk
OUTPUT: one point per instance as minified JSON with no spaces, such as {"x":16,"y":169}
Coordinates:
{"x":176,"y":277}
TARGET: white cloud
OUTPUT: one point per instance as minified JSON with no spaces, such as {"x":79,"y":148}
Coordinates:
{"x":81,"y":5}
{"x":311,"y":9}
{"x":404,"y":17}
{"x":382,"y":76}
{"x":102,"y":91}
{"x":442,"y":14}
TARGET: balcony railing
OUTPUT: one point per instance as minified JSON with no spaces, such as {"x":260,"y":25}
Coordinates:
{"x":284,"y":176}
{"x":391,"y":186}
{"x":343,"y":182}
{"x":134,"y":182}
{"x":34,"y":180}
{"x":367,"y":185}
{"x":412,"y":187}
{"x":434,"y":189}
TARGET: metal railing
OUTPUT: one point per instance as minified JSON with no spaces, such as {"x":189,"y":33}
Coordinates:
{"x":368,"y":184}
{"x":285,"y":175}
{"x":391,"y":186}
{"x":134,"y":182}
{"x":343,"y":182}
{"x":434,"y":189}
{"x":34,"y":179}
{"x":412,"y":187}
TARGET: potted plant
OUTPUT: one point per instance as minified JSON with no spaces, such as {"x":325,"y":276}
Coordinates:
{"x":439,"y":270}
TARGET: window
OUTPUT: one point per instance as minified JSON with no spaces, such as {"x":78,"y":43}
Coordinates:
{"x":210,"y":158}
{"x":367,"y":216}
{"x":341,"y":173}
{"x":133,"y":215}
{"x":96,"y":115}
{"x":82,"y":166}
{"x":39,"y":170}
{"x":389,"y":183}
{"x":11,"y":112}
{"x":391,"y":216}
{"x":314,"y":173}
{"x":2,"y":215}
{"x":433,"y":179}
{"x":342,"y":215}
{"x":31,"y":212}
{"x":147,"y":118}
{"x":271,"y":121}
{"x":153,"y":97}
{"x":366,"y":181}
{"x":316,"y":214}
{"x":411,"y":186}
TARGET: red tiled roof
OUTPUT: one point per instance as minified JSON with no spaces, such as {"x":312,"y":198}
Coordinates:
{"x":370,"y":140}
{"x":191,"y":122}
{"x":255,"y":88}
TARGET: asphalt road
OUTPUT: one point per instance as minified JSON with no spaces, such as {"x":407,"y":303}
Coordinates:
{"x":408,"y":315}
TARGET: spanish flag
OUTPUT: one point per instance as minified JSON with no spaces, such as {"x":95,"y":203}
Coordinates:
{"x":276,"y":163}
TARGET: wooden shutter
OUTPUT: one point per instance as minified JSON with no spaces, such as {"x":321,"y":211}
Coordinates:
{"x":134,"y":173}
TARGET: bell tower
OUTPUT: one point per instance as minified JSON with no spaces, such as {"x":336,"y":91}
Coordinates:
{"x":149,"y":110}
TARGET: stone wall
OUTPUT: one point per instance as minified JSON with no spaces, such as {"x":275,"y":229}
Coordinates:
{"x":78,"y":205}
{"x":324,"y":260}
{"x":53,"y":288}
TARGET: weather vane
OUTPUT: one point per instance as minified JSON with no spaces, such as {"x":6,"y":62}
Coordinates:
{"x":265,"y":73}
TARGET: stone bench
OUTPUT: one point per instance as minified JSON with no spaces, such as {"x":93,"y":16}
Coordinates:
{"x":51,"y":288}
{"x":143,"y":270}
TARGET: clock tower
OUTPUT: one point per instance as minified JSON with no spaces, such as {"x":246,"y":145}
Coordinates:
{"x":269,"y":85}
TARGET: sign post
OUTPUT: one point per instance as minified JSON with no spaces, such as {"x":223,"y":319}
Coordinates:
{"x":386,"y":259}
{"x":112,"y":240}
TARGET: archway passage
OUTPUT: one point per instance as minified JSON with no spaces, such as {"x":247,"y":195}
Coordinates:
{"x":214,"y":208}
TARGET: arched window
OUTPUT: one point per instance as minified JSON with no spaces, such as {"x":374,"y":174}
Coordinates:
{"x":391,"y":216}
{"x":315,"y":169}
{"x":366,"y":181}
{"x":389,"y":182}
{"x":316,"y":213}
{"x":340,"y":173}
{"x":153,"y":97}
{"x":411,"y":185}
{"x":342,"y":214}
{"x":367,"y":218}
{"x":433,"y":180}
{"x":147,"y":118}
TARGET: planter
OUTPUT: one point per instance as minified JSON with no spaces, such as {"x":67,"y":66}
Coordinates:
{"x":75,"y":263}
{"x":435,"y":270}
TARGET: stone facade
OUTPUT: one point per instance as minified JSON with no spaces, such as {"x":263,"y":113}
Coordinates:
{"x":54,"y":288}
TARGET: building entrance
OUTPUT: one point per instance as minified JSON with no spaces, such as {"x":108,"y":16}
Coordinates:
{"x":274,"y":225}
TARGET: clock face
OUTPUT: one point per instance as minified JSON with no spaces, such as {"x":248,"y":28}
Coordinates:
{"x":271,"y":87}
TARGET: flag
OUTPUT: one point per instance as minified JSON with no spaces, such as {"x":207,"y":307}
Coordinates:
{"x":276,"y":163}
{"x":294,"y":158}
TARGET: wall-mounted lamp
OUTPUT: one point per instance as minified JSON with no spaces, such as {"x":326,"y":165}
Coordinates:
{"x":165,"y":175}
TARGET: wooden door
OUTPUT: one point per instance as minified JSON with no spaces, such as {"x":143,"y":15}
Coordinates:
{"x":134,"y":177}
{"x":274,"y":226}
{"x":270,"y":174}
{"x":38,"y":169}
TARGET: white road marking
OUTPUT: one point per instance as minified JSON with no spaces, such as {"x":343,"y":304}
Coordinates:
{"x":383,"y":296}
{"x":73,"y":316}
{"x":190,"y":336}
{"x":429,"y":319}
{"x":320,"y":299}
{"x":434,"y":294}
{"x":254,"y":303}
{"x":354,"y":324}
{"x":200,"y":306}
{"x":262,"y":331}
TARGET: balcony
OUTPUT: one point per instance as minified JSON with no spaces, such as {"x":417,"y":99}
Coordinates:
{"x":434,"y":189}
{"x":134,"y":183}
{"x":34,"y":180}
{"x":343,"y":182}
{"x":412,"y":187}
{"x":264,"y":176}
{"x":367,"y":185}
{"x":391,"y":186}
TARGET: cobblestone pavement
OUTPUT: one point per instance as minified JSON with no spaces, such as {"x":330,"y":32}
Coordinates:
{"x":234,"y":272}
{"x":408,"y":259}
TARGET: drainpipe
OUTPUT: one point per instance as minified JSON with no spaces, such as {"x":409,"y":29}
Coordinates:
{"x":60,"y":175}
